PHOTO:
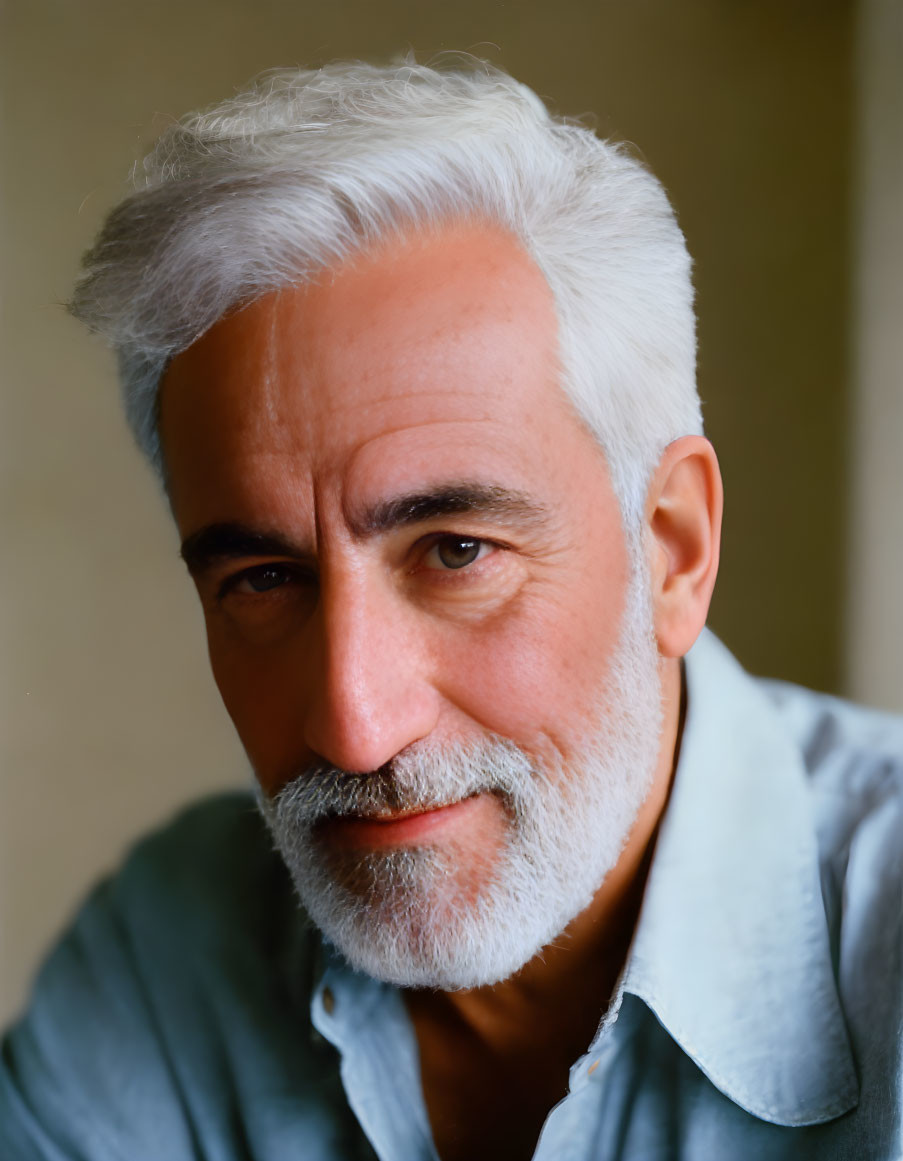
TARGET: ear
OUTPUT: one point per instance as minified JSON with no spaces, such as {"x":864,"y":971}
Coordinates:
{"x":683,"y":519}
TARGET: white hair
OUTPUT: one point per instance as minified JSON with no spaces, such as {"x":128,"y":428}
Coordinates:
{"x":306,"y":167}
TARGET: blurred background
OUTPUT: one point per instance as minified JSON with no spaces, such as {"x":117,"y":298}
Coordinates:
{"x":776,"y":126}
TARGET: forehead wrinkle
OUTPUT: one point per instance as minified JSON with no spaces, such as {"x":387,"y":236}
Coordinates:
{"x":364,"y":445}
{"x":402,"y":428}
{"x":416,"y":394}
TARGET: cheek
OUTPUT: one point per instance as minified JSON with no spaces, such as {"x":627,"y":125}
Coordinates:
{"x":263,"y":695}
{"x":536,"y":675}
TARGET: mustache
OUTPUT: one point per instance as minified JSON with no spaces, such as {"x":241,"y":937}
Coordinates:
{"x":419,"y":778}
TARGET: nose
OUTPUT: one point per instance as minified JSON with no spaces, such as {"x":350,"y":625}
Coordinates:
{"x":370,"y":694}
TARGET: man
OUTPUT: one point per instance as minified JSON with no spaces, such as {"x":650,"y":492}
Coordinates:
{"x":415,"y":362}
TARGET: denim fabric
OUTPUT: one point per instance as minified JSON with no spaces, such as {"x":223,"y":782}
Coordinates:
{"x":191,"y":1013}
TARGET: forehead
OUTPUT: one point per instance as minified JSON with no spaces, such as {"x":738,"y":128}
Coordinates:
{"x":419,"y":353}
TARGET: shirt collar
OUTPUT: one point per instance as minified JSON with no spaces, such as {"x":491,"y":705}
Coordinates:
{"x":731,"y":951}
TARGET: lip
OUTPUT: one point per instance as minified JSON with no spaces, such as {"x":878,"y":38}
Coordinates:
{"x":406,"y":828}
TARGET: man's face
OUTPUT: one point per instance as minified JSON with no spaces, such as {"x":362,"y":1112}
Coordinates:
{"x":406,"y":544}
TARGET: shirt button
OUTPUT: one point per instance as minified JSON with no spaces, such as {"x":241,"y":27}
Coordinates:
{"x":328,"y":1001}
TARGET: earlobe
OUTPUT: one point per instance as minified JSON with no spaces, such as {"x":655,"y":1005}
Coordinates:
{"x":683,"y":515}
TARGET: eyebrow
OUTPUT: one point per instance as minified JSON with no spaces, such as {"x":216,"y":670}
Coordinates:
{"x":502,"y":504}
{"x":232,"y":541}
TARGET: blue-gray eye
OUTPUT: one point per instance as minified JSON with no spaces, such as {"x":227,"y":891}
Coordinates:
{"x":457,"y":552}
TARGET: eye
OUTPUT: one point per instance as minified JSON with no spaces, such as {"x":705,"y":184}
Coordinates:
{"x":261,"y":579}
{"x":454,"y":552}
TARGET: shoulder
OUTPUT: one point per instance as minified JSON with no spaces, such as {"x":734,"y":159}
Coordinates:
{"x":198,"y":890}
{"x":214,"y":860}
{"x":130,"y":1027}
{"x":853,"y":757}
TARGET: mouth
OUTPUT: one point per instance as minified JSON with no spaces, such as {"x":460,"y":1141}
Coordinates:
{"x":397,"y":828}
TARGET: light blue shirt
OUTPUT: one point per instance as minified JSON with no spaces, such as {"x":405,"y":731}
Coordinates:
{"x":192,"y":1014}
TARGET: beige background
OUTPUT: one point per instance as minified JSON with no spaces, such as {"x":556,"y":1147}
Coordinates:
{"x":783,"y":162}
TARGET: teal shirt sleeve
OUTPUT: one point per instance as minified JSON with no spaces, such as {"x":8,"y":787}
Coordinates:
{"x":172,"y":1023}
{"x":85,"y":1075}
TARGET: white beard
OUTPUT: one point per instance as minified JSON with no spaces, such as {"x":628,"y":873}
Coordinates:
{"x":425,"y":916}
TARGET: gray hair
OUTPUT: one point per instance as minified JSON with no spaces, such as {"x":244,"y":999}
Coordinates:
{"x":306,"y":167}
